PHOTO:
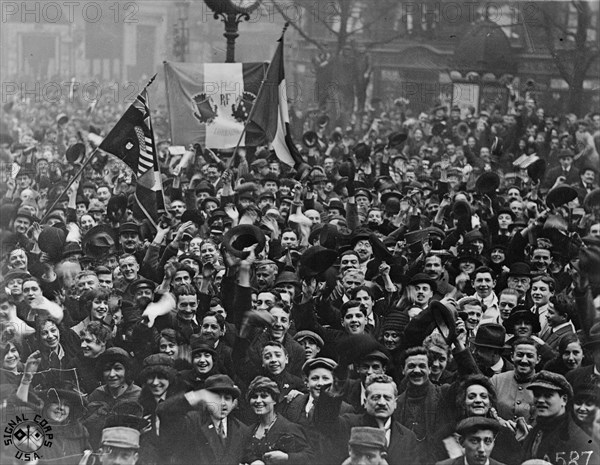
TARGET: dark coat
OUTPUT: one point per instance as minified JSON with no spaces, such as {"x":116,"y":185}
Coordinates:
{"x":562,"y":439}
{"x":322,"y":446}
{"x":552,"y":339}
{"x":283,"y":435}
{"x":402,"y":449}
{"x":188,"y":436}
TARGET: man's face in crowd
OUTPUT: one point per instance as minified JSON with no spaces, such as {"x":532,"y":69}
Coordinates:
{"x":265,"y":300}
{"x":478,"y":446}
{"x":566,"y":162}
{"x":381,"y":400}
{"x":23,"y":181}
{"x":143,"y":297}
{"x":313,"y":215}
{"x":541,"y":293}
{"x":416,"y":369}
{"x":105,"y":280}
{"x":177,"y":208}
{"x":474,"y":314}
{"x":103,"y":194}
{"x":365,"y":300}
{"x":274,"y":359}
{"x":311,"y":348}
{"x":87,"y":283}
{"x":354,"y":321}
{"x":129,"y":241}
{"x":364,"y":250}
{"x":506,"y":302}
{"x":525,"y":358}
{"x":118,"y":456}
{"x":271,"y":186}
{"x":362,"y":201}
{"x":21,"y":224}
{"x":541,"y":259}
{"x":347,"y":262}
{"x":595,"y":230}
{"x":265,"y":276}
{"x":17,"y":260}
{"x":359,"y":455}
{"x":588,"y":177}
{"x":350,"y":281}
{"x":517,"y":208}
{"x":212,"y":174}
{"x":519,"y":283}
{"x":15,"y":286}
{"x":289,"y":240}
{"x":483,"y":283}
{"x":548,"y":403}
{"x":423,"y":294}
{"x":275,"y":168}
{"x":328,"y":164}
{"x":186,"y":306}
{"x":87,"y":223}
{"x":182,"y":277}
{"x":434,"y":268}
{"x":129,"y":267}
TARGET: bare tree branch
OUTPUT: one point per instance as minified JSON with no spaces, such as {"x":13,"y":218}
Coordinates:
{"x":303,"y":34}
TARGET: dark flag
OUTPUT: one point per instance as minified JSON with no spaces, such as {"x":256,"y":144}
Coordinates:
{"x":271,"y":111}
{"x":132,"y":141}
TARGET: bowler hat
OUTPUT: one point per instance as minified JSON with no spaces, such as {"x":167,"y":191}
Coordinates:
{"x":490,"y":335}
{"x":537,"y":169}
{"x":553,"y":381}
{"x":519,"y":269}
{"x":422,"y":278}
{"x":242,"y":236}
{"x":222,"y":384}
{"x":366,"y":436}
{"x":396,"y":139}
{"x":487,"y":183}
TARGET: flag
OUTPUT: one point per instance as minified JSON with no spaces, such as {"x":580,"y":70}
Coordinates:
{"x":271,"y":111}
{"x":209,"y":103}
{"x":132,"y":141}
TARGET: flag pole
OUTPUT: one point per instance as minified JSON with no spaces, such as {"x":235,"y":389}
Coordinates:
{"x":71,"y":182}
{"x":260,"y":89}
{"x":85,"y":163}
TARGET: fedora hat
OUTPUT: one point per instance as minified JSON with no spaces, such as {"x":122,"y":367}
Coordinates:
{"x":537,"y":169}
{"x":591,"y":201}
{"x":443,"y":314}
{"x":396,"y":139}
{"x":490,"y":335}
{"x":422,"y":278}
{"x":560,"y":195}
{"x":75,"y":151}
{"x":315,"y":260}
{"x":239,"y":237}
{"x":380,"y":250}
{"x":98,"y":240}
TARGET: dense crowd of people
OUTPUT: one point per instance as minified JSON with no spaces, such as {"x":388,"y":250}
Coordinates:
{"x":419,"y":290}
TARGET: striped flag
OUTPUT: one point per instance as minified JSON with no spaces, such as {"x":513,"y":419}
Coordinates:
{"x":209,"y":103}
{"x":271,"y":111}
{"x":132,"y":141}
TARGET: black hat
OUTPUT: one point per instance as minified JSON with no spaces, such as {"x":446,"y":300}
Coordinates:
{"x":591,"y":200}
{"x":113,"y":355}
{"x":391,"y":195}
{"x":564,"y":153}
{"x":362,"y":151}
{"x":222,"y":384}
{"x":537,"y":169}
{"x":52,"y":240}
{"x":270,"y":177}
{"x":98,"y":240}
{"x":338,"y":204}
{"x":490,"y":335}
{"x":519,"y":269}
{"x":141,"y":283}
{"x":473,"y":424}
{"x":315,"y":260}
{"x":201,"y":344}
{"x":24,"y":213}
{"x":521,"y":313}
{"x":306,"y":334}
{"x":487,"y":183}
{"x":422,"y":278}
{"x":75,"y":151}
{"x":396,"y":139}
{"x":467,"y":253}
{"x":560,"y":195}
{"x":239,"y":237}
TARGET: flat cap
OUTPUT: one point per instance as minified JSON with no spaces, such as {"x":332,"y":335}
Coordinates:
{"x":301,"y":335}
{"x":318,"y":362}
{"x":548,"y":380}
{"x":366,"y":436}
{"x":471,"y":424}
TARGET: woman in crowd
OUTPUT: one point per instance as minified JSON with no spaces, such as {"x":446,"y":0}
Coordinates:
{"x":172,"y":343}
{"x":570,"y":356}
{"x":12,"y":368}
{"x":475,"y":396}
{"x":204,"y":364}
{"x":273,"y":439}
{"x":586,"y":402}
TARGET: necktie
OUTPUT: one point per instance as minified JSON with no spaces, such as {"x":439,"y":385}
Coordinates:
{"x":221,"y":431}
{"x":536,"y":444}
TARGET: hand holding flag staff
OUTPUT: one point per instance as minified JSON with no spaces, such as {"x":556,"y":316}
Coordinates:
{"x":132,"y":141}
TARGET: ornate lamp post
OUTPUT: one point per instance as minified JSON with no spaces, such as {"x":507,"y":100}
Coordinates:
{"x":232,"y":13}
{"x":181,"y":31}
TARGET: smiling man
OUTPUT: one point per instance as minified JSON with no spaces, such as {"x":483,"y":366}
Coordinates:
{"x":555,"y":434}
{"x":484,"y":281}
{"x":514,"y":400}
